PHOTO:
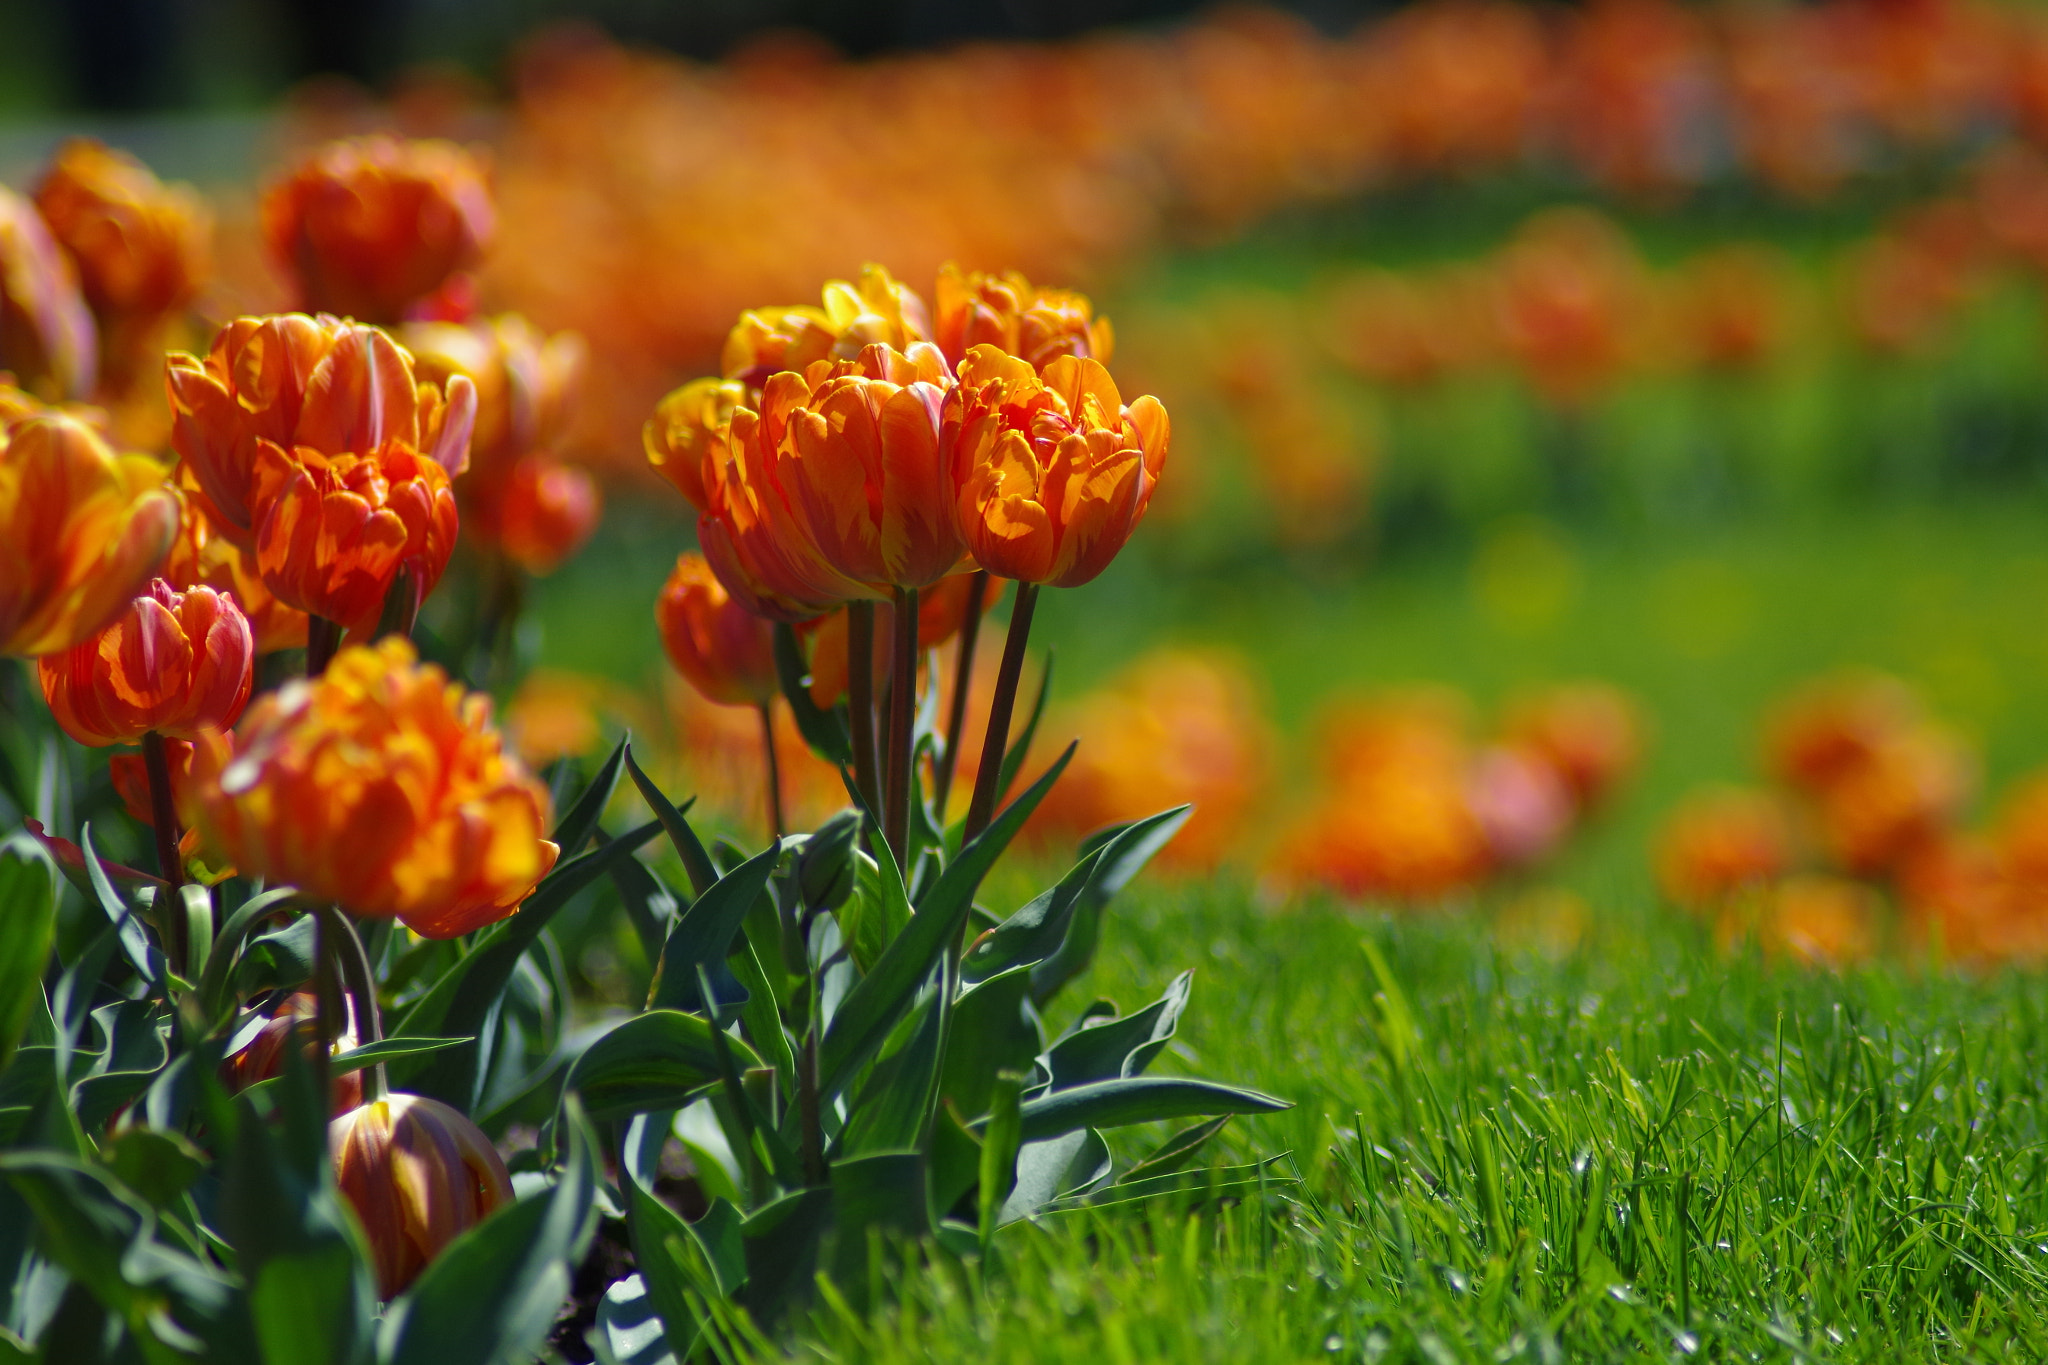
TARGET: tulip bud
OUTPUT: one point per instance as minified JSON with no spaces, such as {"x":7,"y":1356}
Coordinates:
{"x":84,"y":530}
{"x":825,"y":870}
{"x":262,"y":1057}
{"x":542,"y":515}
{"x":723,"y":650}
{"x":175,"y":663}
{"x":418,"y":1175}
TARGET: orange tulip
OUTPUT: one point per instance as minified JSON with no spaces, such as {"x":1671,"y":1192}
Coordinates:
{"x":371,"y":226}
{"x":262,"y":1057}
{"x":834,"y":490}
{"x":1588,"y":732}
{"x":201,"y":557}
{"x":1817,"y":921}
{"x":174,"y":662}
{"x":381,"y":786}
{"x":1004,"y":311}
{"x":526,"y":383}
{"x":688,"y":434}
{"x":336,"y":531}
{"x":82,"y":531}
{"x":1053,"y":473}
{"x":47,"y":338}
{"x":1721,"y":842}
{"x":130,"y":775}
{"x":873,"y":310}
{"x":544,"y":514}
{"x":140,"y":247}
{"x":289,"y":382}
{"x":418,"y":1175}
{"x":725,"y":651}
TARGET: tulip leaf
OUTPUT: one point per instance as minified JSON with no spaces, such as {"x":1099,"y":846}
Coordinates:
{"x":128,"y":929}
{"x":889,"y":1113}
{"x":1137,"y":1099}
{"x":1119,"y":1047}
{"x":991,"y":1033}
{"x":1055,"y":1168}
{"x":649,"y":905}
{"x":462,"y":1001}
{"x":824,"y":731}
{"x":782,"y":1243}
{"x":575,"y":827}
{"x":385,"y":1049}
{"x":1176,"y":1152}
{"x":491,"y":1296}
{"x":282,"y":957}
{"x":1035,"y":932}
{"x":28,"y":924}
{"x":1226,"y":1182}
{"x":879,"y":999}
{"x":655,"y":1060}
{"x":1120,"y":852}
{"x":629,"y":1330}
{"x":675,"y":1257}
{"x":697,"y":864}
{"x":227,"y":944}
{"x":702,"y":936}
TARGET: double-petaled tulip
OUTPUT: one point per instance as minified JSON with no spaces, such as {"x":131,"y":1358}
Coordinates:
{"x":1052,"y":472}
{"x":381,"y":786}
{"x":526,"y":386}
{"x":47,"y":339}
{"x":336,"y":531}
{"x":371,"y":226}
{"x":1006,"y":312}
{"x":688,"y":434}
{"x":173,"y":663}
{"x":544,"y":513}
{"x":202,"y":557}
{"x":140,"y":247}
{"x":262,"y":1057}
{"x":418,"y":1175}
{"x":723,"y":650}
{"x":874,"y":310}
{"x":293,"y":382}
{"x":835,"y":489}
{"x":82,"y":531}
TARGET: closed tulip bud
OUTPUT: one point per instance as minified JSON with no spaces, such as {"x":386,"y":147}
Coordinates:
{"x":292,"y":382}
{"x":381,"y":786}
{"x":202,"y":557}
{"x":47,"y":337}
{"x":1052,"y":473}
{"x":826,"y":868}
{"x":723,"y":650}
{"x":688,"y":431}
{"x":140,"y":247}
{"x":336,"y":531}
{"x":82,"y":531}
{"x":173,"y":663}
{"x":1004,"y":311}
{"x":371,"y":226}
{"x":543,"y":515}
{"x":262,"y":1057}
{"x":418,"y":1175}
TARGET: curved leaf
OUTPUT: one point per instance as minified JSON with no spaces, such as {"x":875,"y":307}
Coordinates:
{"x":1138,"y":1099}
{"x":655,"y":1060}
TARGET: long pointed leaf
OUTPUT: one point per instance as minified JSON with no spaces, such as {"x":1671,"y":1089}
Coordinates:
{"x":574,"y":829}
{"x":702,"y":935}
{"x":696,"y":862}
{"x":1138,"y":1099}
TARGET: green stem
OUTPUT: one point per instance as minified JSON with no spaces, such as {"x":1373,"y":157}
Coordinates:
{"x":988,"y":777}
{"x":860,"y":697}
{"x":338,"y":935}
{"x":774,"y":770}
{"x":164,"y":814}
{"x":963,"y":673}
{"x":902,"y":726}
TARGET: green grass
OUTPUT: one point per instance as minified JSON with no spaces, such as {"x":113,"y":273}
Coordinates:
{"x":1641,"y":1151}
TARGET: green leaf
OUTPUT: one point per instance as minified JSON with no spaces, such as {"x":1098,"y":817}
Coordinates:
{"x":655,"y":1060}
{"x":1124,"y":851}
{"x":460,"y":1003}
{"x":128,"y":928}
{"x":880,"y":1192}
{"x":227,"y":944}
{"x":282,"y":957}
{"x":574,"y":829}
{"x":629,"y":1330}
{"x":992,"y":1032}
{"x":955,"y":1160}
{"x":824,"y":731}
{"x":1226,"y":1182}
{"x":1138,"y":1099}
{"x":1176,"y":1152}
{"x":702,"y":935}
{"x":491,"y":1296}
{"x":877,"y":911}
{"x":889,"y":1113}
{"x":696,"y":862}
{"x":666,"y":1249}
{"x":28,"y":925}
{"x":158,"y":1165}
{"x":879,"y":999}
{"x":1052,"y":1169}
{"x":648,"y":904}
{"x":1119,"y":1047}
{"x":783,"y":1242}
{"x":1000,"y":1139}
{"x":1034,"y":932}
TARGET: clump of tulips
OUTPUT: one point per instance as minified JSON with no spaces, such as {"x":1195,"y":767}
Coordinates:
{"x":347,"y":928}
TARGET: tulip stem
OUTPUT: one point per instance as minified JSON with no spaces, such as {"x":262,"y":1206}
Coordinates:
{"x":774,"y":766}
{"x":989,"y":775}
{"x":902,"y":725}
{"x":860,"y":696}
{"x":323,"y":637}
{"x":338,"y":936}
{"x":963,"y":674}
{"x":164,"y":815}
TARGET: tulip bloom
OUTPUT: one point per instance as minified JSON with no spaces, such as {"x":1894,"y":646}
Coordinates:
{"x":418,"y":1175}
{"x":527,"y":383}
{"x":1052,"y":473}
{"x":543,"y":515}
{"x":725,"y":651}
{"x":174,"y":663}
{"x":1721,"y":842}
{"x":262,"y":1057}
{"x":873,"y":310}
{"x":380,"y":786}
{"x":140,"y":247}
{"x":289,"y":382}
{"x":336,"y":531}
{"x":687,"y":434}
{"x":201,"y":557}
{"x":1004,"y":311}
{"x":371,"y":226}
{"x":47,"y":338}
{"x":82,"y":531}
{"x":834,"y":491}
